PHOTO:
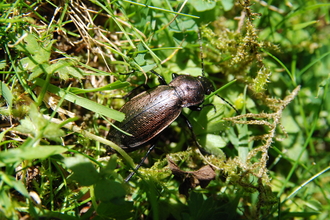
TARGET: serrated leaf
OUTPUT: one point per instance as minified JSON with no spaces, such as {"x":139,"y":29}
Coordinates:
{"x":63,"y":74}
{"x":52,"y":131}
{"x":38,"y":56}
{"x":44,"y":51}
{"x":27,"y":64}
{"x":140,"y":57}
{"x":29,"y":45}
{"x":39,"y":53}
{"x":35,"y":124}
{"x":73,"y":71}
{"x":38,"y":70}
{"x":200,"y":207}
{"x":64,"y":68}
{"x":26,"y":127}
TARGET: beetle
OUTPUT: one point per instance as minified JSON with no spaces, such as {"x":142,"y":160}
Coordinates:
{"x":150,"y":112}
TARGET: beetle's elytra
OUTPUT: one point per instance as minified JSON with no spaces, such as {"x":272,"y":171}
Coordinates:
{"x":150,"y":112}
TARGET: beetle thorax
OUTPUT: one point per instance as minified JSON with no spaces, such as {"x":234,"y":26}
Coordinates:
{"x":189,"y":90}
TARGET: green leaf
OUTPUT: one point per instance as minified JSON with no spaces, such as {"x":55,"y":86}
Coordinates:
{"x":38,"y":70}
{"x":65,"y":69}
{"x":16,"y":184}
{"x":116,"y":211}
{"x":203,"y":208}
{"x":84,"y":171}
{"x":227,"y":4}
{"x":53,"y":131}
{"x":42,"y":152}
{"x":140,"y":57}
{"x":201,"y":5}
{"x":44,"y":51}
{"x":30,"y":45}
{"x":38,"y":126}
{"x":6,"y":93}
{"x":109,"y":169}
{"x":306,"y":8}
{"x":213,"y":144}
{"x":86,"y":103}
{"x":27,"y":64}
{"x":3,"y":64}
{"x":73,"y":71}
{"x":149,"y":67}
{"x":189,"y":25}
{"x":107,"y":190}
{"x":37,"y":53}
{"x":115,"y":85}
{"x":209,"y":120}
{"x":303,"y":25}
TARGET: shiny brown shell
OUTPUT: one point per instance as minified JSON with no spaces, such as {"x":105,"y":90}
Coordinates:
{"x":150,"y":112}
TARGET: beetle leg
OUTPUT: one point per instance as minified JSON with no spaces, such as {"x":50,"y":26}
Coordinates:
{"x":199,"y":108}
{"x":140,"y":164}
{"x":174,"y":75}
{"x":196,"y":108}
{"x":160,"y":78}
{"x":192,"y":131}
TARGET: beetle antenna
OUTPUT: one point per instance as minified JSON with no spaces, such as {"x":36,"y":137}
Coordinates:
{"x":201,"y":51}
{"x":228,"y":103}
{"x":140,"y":164}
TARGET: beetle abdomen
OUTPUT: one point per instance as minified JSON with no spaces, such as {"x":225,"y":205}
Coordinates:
{"x":147,"y":114}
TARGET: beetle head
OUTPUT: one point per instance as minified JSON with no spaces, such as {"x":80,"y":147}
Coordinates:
{"x":207,"y":85}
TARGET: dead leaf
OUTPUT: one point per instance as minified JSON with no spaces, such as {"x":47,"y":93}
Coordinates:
{"x":191,"y":179}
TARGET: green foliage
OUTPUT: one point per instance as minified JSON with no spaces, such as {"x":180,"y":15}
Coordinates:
{"x":61,"y":66}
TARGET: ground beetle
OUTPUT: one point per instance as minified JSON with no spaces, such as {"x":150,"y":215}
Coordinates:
{"x":150,"y":112}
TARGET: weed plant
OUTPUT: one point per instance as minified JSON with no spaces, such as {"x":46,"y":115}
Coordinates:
{"x":61,"y":76}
